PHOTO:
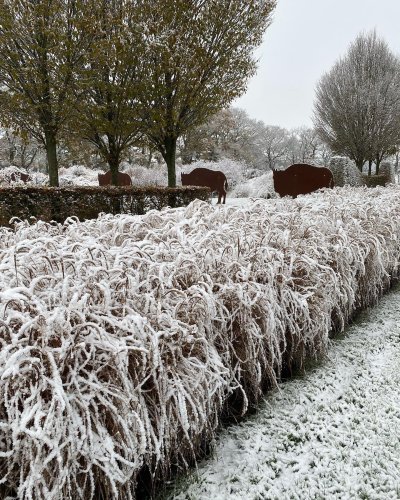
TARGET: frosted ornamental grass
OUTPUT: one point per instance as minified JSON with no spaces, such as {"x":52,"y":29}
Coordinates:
{"x":123,"y":339}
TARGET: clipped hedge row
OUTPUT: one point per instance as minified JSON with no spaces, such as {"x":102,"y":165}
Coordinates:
{"x":376,"y":180}
{"x":86,"y":202}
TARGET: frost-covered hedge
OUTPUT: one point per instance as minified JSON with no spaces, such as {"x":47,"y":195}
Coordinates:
{"x":387,"y":168}
{"x":376,"y":180}
{"x":78,"y":175}
{"x":345,"y":172}
{"x":147,"y":176}
{"x":123,"y":339}
{"x":386,"y":175}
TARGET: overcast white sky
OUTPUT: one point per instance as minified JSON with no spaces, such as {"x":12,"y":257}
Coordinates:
{"x":304,"y":40}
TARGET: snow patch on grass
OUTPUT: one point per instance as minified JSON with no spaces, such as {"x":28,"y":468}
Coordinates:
{"x":330,"y":434}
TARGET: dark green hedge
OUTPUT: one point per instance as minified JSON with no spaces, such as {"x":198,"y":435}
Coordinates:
{"x":376,"y":180}
{"x":86,"y":202}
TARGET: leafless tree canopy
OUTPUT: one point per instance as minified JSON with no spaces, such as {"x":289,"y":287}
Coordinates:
{"x":231,"y":133}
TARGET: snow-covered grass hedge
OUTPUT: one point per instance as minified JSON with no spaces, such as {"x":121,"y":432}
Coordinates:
{"x":122,"y":339}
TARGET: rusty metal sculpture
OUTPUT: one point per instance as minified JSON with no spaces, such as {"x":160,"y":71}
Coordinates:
{"x":123,"y":179}
{"x":20,"y":176}
{"x":302,"y":178}
{"x":213,"y":179}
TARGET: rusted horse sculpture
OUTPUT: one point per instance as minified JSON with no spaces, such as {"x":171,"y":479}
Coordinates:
{"x":302,"y":178}
{"x":20,"y":176}
{"x":123,"y":179}
{"x":213,"y":179}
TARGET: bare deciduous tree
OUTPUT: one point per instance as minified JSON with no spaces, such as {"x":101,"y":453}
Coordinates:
{"x":275,"y":145}
{"x":230,"y":133}
{"x":17,"y":151}
{"x":357,"y":106}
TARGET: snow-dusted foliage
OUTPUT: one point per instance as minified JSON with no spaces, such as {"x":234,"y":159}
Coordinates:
{"x":122,"y":338}
{"x":257,"y":187}
{"x":235,"y":171}
{"x":38,"y":179}
{"x":387,"y":168}
{"x":10,"y":175}
{"x":78,"y":175}
{"x":147,"y":176}
{"x":345,"y":172}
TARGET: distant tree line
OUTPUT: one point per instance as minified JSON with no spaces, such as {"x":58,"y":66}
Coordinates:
{"x":233,"y":134}
{"x":100,"y":81}
{"x":357,"y":115}
{"x":117,"y":74}
{"x":230,"y":133}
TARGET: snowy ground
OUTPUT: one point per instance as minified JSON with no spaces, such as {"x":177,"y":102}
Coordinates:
{"x":332,"y":434}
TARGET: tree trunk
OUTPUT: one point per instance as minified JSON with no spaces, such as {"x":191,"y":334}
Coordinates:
{"x":369,"y":167}
{"x":378,"y":162}
{"x":113,"y":163}
{"x":169,"y":155}
{"x":359,"y":162}
{"x":12,"y":155}
{"x":51,"y":155}
{"x":149,"y":158}
{"x":113,"y":158}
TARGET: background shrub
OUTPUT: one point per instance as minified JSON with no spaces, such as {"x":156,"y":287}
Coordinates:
{"x":84,"y":202}
{"x":376,"y":180}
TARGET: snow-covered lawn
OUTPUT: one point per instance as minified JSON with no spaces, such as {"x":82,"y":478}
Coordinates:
{"x":332,"y":434}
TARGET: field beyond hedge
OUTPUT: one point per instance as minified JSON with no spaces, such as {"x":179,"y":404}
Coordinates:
{"x":124,"y":339}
